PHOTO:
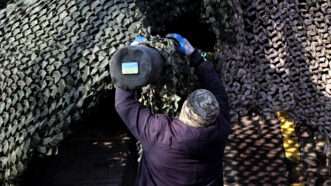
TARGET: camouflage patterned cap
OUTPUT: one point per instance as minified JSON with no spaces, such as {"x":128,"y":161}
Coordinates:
{"x":200,"y":109}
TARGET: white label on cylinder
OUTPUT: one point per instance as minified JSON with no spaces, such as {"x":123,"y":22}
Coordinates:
{"x":131,"y":67}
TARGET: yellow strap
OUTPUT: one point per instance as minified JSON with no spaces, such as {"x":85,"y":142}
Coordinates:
{"x":290,"y":142}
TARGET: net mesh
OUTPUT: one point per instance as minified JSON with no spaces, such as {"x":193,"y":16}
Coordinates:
{"x":55,"y":54}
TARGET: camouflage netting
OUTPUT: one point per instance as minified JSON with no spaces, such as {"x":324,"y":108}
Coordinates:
{"x":272,"y":55}
{"x":254,"y":154}
{"x":281,"y":62}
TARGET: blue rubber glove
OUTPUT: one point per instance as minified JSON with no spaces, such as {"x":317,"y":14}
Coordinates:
{"x":184,"y":46}
{"x":140,"y":39}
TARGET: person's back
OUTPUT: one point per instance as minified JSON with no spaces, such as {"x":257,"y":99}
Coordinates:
{"x":184,"y":151}
{"x":185,"y":156}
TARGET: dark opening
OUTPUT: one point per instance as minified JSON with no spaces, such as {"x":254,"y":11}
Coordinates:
{"x":198,"y":33}
{"x":184,"y":17}
{"x":100,"y":151}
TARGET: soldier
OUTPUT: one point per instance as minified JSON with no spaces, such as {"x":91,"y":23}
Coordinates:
{"x":185,"y":150}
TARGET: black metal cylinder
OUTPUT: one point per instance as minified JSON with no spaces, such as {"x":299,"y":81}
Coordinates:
{"x":148,"y":63}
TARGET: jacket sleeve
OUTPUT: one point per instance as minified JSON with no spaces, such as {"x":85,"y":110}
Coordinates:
{"x":210,"y":80}
{"x":145,"y":126}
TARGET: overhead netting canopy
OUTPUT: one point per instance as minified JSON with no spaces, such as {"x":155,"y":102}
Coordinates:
{"x":54,"y":63}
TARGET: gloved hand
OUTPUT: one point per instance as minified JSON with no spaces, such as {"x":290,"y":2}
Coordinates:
{"x":140,"y":39}
{"x":184,"y":46}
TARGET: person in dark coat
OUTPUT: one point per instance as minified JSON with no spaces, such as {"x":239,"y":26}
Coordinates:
{"x":186,"y":150}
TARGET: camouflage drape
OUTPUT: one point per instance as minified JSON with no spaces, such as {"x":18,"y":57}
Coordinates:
{"x":54,"y":57}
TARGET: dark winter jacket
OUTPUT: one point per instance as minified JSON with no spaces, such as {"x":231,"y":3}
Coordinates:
{"x":175,"y":154}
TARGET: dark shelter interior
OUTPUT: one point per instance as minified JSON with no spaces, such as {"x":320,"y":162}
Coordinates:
{"x":100,"y":151}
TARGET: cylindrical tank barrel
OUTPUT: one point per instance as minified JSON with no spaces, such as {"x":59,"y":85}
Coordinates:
{"x":135,"y":66}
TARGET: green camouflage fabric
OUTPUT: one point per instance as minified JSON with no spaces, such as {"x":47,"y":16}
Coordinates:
{"x":54,"y":64}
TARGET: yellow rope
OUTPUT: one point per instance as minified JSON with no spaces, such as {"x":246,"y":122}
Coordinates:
{"x":290,"y":142}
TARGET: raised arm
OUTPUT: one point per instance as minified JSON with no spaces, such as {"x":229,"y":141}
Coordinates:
{"x":144,"y":125}
{"x":210,"y":80}
{"x":208,"y":77}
